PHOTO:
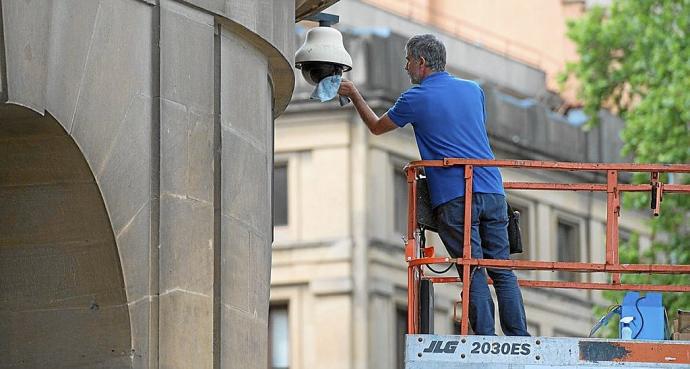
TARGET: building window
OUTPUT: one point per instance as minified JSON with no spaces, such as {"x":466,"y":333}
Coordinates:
{"x":568,"y":246}
{"x":400,"y":332}
{"x":524,"y":230}
{"x":280,"y":194}
{"x":278,"y":338}
{"x":400,"y":201}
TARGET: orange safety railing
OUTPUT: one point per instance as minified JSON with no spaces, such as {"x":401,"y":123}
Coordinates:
{"x":417,"y":257}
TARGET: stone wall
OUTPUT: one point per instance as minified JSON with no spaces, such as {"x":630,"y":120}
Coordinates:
{"x":171,"y":104}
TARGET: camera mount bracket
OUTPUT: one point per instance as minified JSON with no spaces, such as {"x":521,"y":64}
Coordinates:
{"x":324,"y":19}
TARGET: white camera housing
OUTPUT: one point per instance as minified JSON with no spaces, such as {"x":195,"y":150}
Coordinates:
{"x":322,"y":55}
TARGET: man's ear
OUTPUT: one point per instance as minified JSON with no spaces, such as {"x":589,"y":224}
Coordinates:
{"x":422,"y":61}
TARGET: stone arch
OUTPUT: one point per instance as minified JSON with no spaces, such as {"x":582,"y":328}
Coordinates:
{"x":62,"y":296}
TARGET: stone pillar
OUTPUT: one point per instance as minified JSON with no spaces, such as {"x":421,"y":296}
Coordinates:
{"x":171,"y":103}
{"x":216,"y":107}
{"x":186,"y":264}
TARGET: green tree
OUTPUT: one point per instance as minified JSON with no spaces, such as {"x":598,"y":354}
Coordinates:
{"x":635,"y":61}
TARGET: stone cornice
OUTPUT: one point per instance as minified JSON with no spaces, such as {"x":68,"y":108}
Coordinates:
{"x":279,"y":52}
{"x":305,"y":8}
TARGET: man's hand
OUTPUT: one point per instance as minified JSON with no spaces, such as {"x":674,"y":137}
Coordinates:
{"x":348,"y":89}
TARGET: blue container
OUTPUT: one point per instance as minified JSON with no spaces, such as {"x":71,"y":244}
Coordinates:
{"x":649,"y":318}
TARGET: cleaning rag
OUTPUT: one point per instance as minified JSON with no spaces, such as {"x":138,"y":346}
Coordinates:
{"x":327,"y":89}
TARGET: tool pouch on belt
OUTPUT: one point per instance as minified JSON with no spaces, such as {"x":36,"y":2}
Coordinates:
{"x":514,"y":230}
{"x":425,"y":214}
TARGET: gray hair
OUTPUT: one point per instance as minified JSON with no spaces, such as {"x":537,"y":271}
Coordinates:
{"x":430,"y":48}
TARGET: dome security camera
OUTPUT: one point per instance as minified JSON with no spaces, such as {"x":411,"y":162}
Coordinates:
{"x":322,"y":55}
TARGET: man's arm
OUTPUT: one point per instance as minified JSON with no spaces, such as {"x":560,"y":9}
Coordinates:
{"x":375,"y":124}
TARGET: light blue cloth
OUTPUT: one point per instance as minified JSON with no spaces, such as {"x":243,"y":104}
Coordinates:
{"x":327,"y":89}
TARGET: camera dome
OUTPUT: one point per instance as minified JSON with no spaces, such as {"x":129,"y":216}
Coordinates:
{"x":314,"y":72}
{"x":322,"y":55}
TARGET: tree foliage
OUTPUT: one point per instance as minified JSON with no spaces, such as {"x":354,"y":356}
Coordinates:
{"x":635,"y":61}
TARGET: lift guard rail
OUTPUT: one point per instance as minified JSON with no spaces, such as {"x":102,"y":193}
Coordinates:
{"x":416,"y":257}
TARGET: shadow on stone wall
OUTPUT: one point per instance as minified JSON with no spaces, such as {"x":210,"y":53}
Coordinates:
{"x":62,"y":297}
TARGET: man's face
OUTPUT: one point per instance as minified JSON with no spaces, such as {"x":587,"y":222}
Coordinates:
{"x":413,"y":67}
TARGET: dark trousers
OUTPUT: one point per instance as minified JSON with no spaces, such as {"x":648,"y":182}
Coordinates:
{"x":489,"y":241}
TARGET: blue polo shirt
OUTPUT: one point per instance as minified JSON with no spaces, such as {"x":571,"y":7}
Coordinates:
{"x":448,"y":117}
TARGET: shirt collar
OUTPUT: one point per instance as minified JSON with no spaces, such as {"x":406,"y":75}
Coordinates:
{"x":434,"y":75}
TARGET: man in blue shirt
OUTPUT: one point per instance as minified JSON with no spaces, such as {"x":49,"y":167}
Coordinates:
{"x":448,"y":117}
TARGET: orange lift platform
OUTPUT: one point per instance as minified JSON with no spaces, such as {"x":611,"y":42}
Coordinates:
{"x":428,"y":351}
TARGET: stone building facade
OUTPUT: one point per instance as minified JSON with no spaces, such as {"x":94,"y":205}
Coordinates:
{"x":338,"y":287}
